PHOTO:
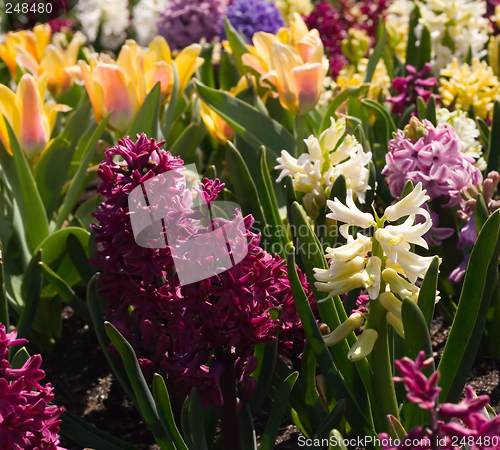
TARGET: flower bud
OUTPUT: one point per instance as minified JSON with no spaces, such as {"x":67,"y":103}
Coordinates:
{"x":355,"y":45}
{"x":389,"y":301}
{"x":353,"y":322}
{"x":396,"y":323}
{"x":364,"y":346}
{"x":398,"y":284}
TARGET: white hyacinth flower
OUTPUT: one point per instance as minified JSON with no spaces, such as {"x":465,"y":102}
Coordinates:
{"x":409,"y":205}
{"x":371,"y":276}
{"x":353,"y":322}
{"x":333,"y":154}
{"x":349,"y":215}
{"x":364,"y":346}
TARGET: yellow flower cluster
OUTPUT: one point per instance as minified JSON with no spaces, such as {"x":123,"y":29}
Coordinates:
{"x":465,"y":86}
{"x":289,"y":7}
{"x":355,"y":75}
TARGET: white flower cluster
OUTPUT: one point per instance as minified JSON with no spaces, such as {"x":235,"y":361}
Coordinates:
{"x":384,"y":265}
{"x":397,"y":24}
{"x":314,"y":173}
{"x":111,"y":15}
{"x":455,"y":26}
{"x":145,"y":15}
{"x":467,"y":132}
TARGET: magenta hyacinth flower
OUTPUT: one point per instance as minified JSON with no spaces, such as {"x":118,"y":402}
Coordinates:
{"x":188,"y":330}
{"x":411,"y":87}
{"x":27,"y":421}
{"x":430,"y":155}
{"x":472,"y":426}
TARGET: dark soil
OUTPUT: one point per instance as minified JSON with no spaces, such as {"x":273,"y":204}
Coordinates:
{"x":84,"y":385}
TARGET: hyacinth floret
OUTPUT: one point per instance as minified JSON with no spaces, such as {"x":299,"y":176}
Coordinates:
{"x":251,"y":16}
{"x":27,"y":421}
{"x":409,"y":88}
{"x":432,"y":156}
{"x":186,"y":22}
{"x":470,"y":425}
{"x":182,"y":328}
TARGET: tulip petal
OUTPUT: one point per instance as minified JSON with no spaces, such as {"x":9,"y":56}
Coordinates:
{"x":35,"y":130}
{"x":159,"y":50}
{"x":53,"y":66}
{"x":187,"y":62}
{"x":307,"y":85}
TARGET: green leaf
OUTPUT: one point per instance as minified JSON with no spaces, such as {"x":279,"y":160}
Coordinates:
{"x":186,"y":144}
{"x":114,"y":361}
{"x":147,"y":118}
{"x":266,"y":354}
{"x":270,"y":207}
{"x":468,"y":324}
{"x":412,"y":49}
{"x":228,"y":74}
{"x":66,"y":293}
{"x":254,"y":127}
{"x":197,"y":420}
{"x":494,"y":140}
{"x":238,"y":46}
{"x":4,"y":304}
{"x":484,"y":131}
{"x":56,"y":256}
{"x":52,"y":168}
{"x":417,"y":335}
{"x":277,"y":411}
{"x":424,"y":48}
{"x":332,"y":421}
{"x":80,"y":258}
{"x":170,"y":110}
{"x":20,"y":358}
{"x":351,"y":91}
{"x":417,"y":338}
{"x":335,"y":387}
{"x":431,"y":110}
{"x":427,"y":294}
{"x":77,"y":183}
{"x":377,"y":53}
{"x":206,"y":70}
{"x":143,"y":395}
{"x":37,"y":227}
{"x":481,"y":212}
{"x":382,"y":114}
{"x":88,"y":436}
{"x":162,"y":400}
{"x":244,"y":187}
{"x":31,"y":288}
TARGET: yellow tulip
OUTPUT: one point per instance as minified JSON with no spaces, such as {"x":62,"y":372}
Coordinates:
{"x":59,"y":65}
{"x":293,"y":60}
{"x":29,"y":116}
{"x":122,"y":85}
{"x":28,"y":42}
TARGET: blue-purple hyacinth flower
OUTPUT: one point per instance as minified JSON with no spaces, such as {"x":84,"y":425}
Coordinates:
{"x":251,"y":16}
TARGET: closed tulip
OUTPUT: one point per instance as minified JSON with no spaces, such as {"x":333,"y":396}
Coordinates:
{"x":30,"y":117}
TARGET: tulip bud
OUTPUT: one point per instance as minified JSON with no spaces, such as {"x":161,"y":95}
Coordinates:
{"x":353,"y":322}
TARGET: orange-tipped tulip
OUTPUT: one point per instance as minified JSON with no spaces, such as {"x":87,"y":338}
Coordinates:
{"x":59,"y":65}
{"x":28,"y":42}
{"x":293,"y":61}
{"x":31,"y":119}
{"x":122,"y":85}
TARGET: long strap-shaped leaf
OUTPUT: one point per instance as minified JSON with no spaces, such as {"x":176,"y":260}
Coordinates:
{"x":145,"y":400}
{"x":335,"y":386}
{"x":274,"y":421}
{"x":468,"y":325}
{"x":4,"y":305}
{"x":76,"y":184}
{"x":170,"y":110}
{"x":147,"y":118}
{"x":162,"y":400}
{"x":254,"y":127}
{"x":494,"y":140}
{"x":37,"y":226}
{"x":86,"y":435}
{"x":427,"y":294}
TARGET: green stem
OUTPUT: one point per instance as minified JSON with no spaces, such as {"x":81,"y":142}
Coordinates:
{"x":4,"y":307}
{"x":385,"y":394}
{"x":299,"y":134}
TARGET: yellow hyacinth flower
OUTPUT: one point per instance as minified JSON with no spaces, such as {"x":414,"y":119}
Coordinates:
{"x":122,"y":85}
{"x":30,"y":117}
{"x":295,"y":64}
{"x":59,"y":65}
{"x":28,"y":42}
{"x":465,"y":86}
